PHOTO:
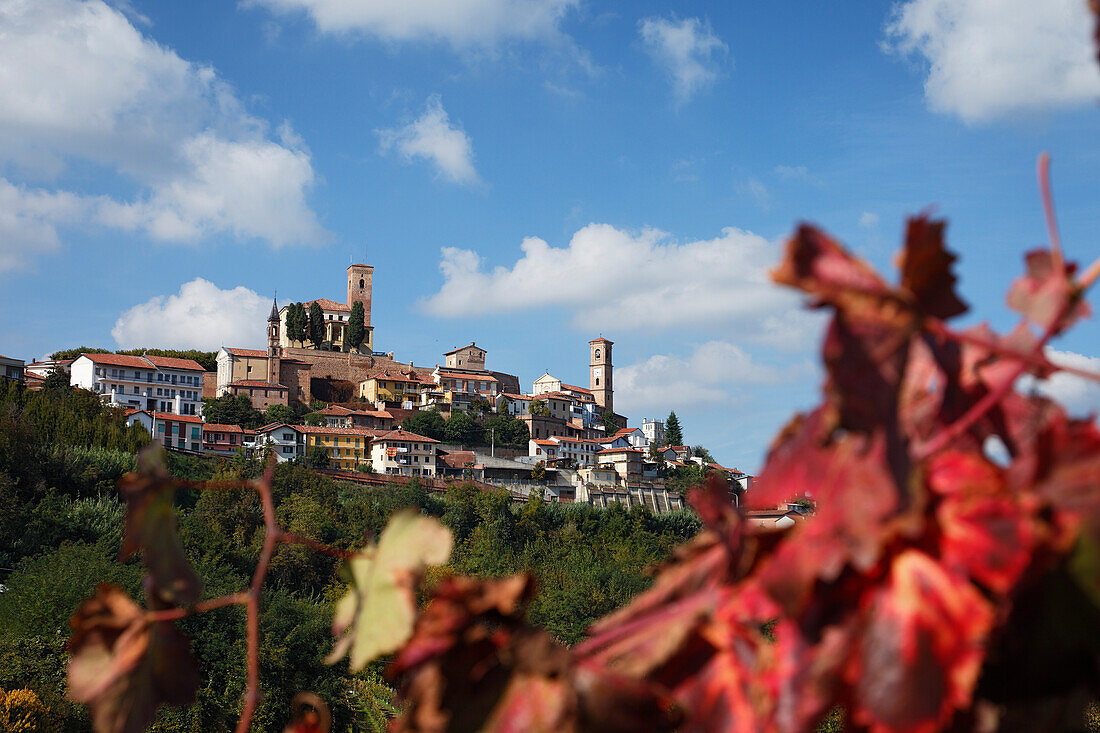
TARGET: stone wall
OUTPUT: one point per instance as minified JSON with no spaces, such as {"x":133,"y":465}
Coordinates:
{"x":346,"y":366}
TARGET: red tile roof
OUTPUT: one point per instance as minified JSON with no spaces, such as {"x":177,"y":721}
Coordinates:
{"x":144,"y":362}
{"x":272,"y":426}
{"x":119,"y":360}
{"x":460,"y":348}
{"x":404,"y":435}
{"x":511,"y":396}
{"x":575,"y":388}
{"x":255,"y":383}
{"x":167,"y":362}
{"x":253,"y":353}
{"x":620,"y":450}
{"x":220,"y":428}
{"x":469,"y":377}
{"x":318,"y":430}
{"x":328,"y":305}
{"x":546,"y":442}
{"x":170,"y":417}
{"x":458,"y":458}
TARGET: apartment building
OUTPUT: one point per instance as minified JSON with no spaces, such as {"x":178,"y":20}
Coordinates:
{"x":402,"y":453}
{"x":221,"y":439}
{"x":11,"y":370}
{"x":347,"y":447}
{"x":154,"y":383}
{"x":178,"y":431}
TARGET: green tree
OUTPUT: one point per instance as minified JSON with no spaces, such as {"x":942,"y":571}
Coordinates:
{"x":429,"y":423}
{"x":314,"y":419}
{"x":57,"y":380}
{"x":232,"y":410}
{"x":295,"y":317}
{"x":507,"y":431}
{"x":316,"y":324}
{"x":538,"y":473}
{"x":673,"y":433}
{"x":538,"y":407}
{"x":317,"y":457}
{"x":700,"y":452}
{"x":609,"y":421}
{"x":356,"y":330}
{"x":461,"y":429}
{"x":279,"y":413}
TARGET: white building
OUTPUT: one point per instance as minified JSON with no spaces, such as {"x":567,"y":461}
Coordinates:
{"x":285,"y":441}
{"x":11,"y":369}
{"x":154,"y":383}
{"x":44,"y":367}
{"x":654,"y":431}
{"x":402,"y":453}
{"x":580,"y":451}
{"x":546,"y":383}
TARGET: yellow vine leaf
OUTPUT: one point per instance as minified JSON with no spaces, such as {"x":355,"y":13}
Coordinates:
{"x":376,"y":616}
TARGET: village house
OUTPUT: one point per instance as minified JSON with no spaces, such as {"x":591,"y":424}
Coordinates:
{"x":402,"y":453}
{"x":224,"y":440}
{"x":286,"y":442}
{"x":347,"y":448}
{"x":11,"y":370}
{"x":155,"y":383}
{"x":178,"y":431}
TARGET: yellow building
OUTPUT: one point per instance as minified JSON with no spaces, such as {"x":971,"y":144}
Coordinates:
{"x":391,"y":387}
{"x":347,"y":447}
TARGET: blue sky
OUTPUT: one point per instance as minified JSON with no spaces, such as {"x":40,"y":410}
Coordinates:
{"x":529,"y":174}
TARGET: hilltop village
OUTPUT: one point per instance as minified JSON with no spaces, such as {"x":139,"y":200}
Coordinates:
{"x":368,"y":411}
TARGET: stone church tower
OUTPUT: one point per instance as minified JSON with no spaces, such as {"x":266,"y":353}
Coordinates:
{"x":273,"y":345}
{"x":600,"y":373}
{"x":359,"y":288}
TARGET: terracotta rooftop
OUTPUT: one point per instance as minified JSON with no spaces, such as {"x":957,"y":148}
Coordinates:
{"x":222,"y":428}
{"x":545,"y":442}
{"x":479,"y":377}
{"x":253,"y":353}
{"x":177,"y":418}
{"x":145,"y":362}
{"x":575,"y":388}
{"x":328,"y":305}
{"x":273,"y":426}
{"x":255,"y":383}
{"x":404,"y":435}
{"x":620,"y":450}
{"x":319,"y":430}
{"x":460,"y":348}
{"x":458,"y":458}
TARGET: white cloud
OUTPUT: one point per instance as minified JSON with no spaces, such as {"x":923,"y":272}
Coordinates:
{"x":461,"y":23}
{"x":987,"y":59}
{"x":80,"y":84}
{"x":710,"y":376}
{"x":755,"y":189}
{"x":1080,"y":396}
{"x":29,"y":220}
{"x":612,"y":279}
{"x":433,"y":138}
{"x":200,"y":316}
{"x":868,"y":220}
{"x":688,"y":50}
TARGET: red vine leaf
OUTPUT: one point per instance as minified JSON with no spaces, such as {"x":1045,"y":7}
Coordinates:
{"x":921,"y":652}
{"x":122,"y":666}
{"x":151,"y":526}
{"x":926,"y":269}
{"x":376,"y":615}
{"x":1042,"y":293}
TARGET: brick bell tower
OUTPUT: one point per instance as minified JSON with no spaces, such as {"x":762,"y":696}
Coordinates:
{"x":600,"y":373}
{"x":359,"y":288}
{"x":273,"y":344}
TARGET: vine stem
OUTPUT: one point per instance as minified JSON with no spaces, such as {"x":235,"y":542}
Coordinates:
{"x":938,"y":327}
{"x":978,"y":410}
{"x":174,"y":614}
{"x":252,"y":600}
{"x":297,"y":539}
{"x":1047,"y":198}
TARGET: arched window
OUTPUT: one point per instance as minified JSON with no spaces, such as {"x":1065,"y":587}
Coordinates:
{"x":597,"y":353}
{"x":597,"y":381}
{"x":362,"y":282}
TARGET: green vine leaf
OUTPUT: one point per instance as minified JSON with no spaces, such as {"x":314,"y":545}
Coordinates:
{"x":377,"y":614}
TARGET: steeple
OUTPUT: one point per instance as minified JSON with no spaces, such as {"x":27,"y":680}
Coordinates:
{"x":274,"y":311}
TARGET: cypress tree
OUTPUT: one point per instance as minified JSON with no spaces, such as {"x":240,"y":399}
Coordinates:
{"x":673,"y":433}
{"x":356,"y":330}
{"x":316,"y":325}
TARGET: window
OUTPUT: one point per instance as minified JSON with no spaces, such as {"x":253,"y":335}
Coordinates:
{"x":160,"y":427}
{"x":194,"y":433}
{"x":361,"y":283}
{"x":596,"y":354}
